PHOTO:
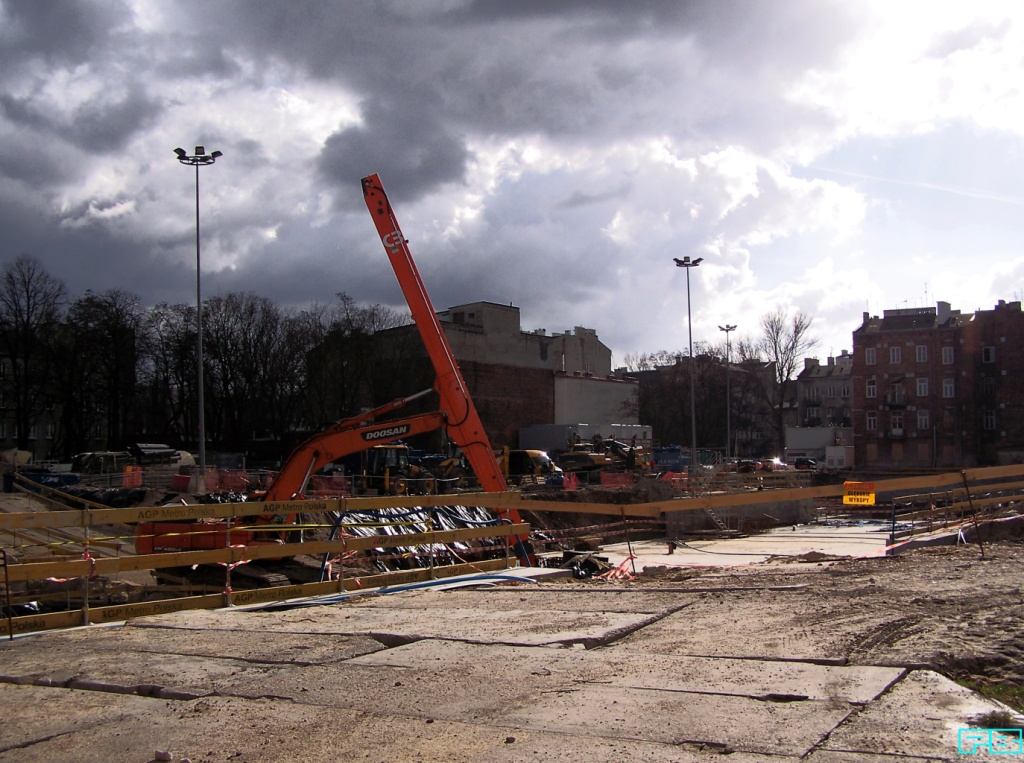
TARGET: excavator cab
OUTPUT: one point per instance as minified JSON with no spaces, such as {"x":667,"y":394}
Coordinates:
{"x":388,"y":471}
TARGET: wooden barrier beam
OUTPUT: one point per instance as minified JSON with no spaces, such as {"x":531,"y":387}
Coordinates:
{"x":365,"y":582}
{"x":41,"y":622}
{"x":111,"y":566}
{"x":512,"y":499}
{"x":119,"y":612}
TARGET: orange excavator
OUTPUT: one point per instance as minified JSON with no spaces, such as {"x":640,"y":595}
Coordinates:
{"x":343,"y":438}
{"x":457,"y":415}
{"x":465,"y":430}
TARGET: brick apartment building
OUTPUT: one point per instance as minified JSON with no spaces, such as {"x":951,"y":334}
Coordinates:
{"x":824,"y":392}
{"x":935,"y":388}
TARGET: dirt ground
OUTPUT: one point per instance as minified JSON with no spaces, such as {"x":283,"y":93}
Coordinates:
{"x":950,"y":608}
{"x":954,"y":609}
{"x":811,"y":659}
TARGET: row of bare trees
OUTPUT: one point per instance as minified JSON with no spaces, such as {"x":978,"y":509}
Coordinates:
{"x":106,"y":371}
{"x":761,"y":385}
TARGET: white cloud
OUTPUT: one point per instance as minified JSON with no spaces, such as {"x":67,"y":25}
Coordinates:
{"x":556,"y":156}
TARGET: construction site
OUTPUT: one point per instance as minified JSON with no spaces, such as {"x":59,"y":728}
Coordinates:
{"x":497,"y":606}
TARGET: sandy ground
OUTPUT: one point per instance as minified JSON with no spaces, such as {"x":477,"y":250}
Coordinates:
{"x":768,"y":648}
{"x":812,"y":660}
{"x":946,"y":607}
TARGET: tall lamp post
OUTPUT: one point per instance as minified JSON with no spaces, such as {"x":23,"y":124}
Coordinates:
{"x":728,"y":397}
{"x":687,"y":263}
{"x":199,"y":159}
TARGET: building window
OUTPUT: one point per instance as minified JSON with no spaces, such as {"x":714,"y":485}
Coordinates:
{"x":896,"y":417}
{"x":948,"y":388}
{"x":3,"y":369}
{"x":947,"y":356}
{"x":50,"y":431}
{"x":921,"y":353}
{"x":845,"y":391}
{"x":871,"y":422}
{"x":988,"y":385}
{"x":871,"y":390}
{"x":33,"y":432}
{"x":897,"y":394}
{"x":988,"y":420}
{"x":3,"y":430}
{"x":894,"y":355}
{"x":988,"y":354}
{"x":922,"y":419}
{"x":922,"y":386}
{"x":831,"y":391}
{"x":869,"y":356}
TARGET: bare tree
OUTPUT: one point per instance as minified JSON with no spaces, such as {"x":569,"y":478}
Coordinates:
{"x":249,"y":360}
{"x":31,"y":304}
{"x":170,"y":408}
{"x":647,"y":361}
{"x":359,"y":360}
{"x":784,"y":341}
{"x":110,"y":329}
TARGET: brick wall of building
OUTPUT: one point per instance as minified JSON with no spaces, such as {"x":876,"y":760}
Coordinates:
{"x":934,"y":388}
{"x":509,"y":397}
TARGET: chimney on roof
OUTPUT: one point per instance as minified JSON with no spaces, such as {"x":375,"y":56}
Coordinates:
{"x":942,"y":312}
{"x":866,"y":316}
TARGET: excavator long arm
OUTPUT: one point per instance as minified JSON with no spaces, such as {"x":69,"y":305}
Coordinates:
{"x":465,"y":428}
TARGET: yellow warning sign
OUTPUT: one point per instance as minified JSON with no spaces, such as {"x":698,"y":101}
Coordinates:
{"x":859,"y":493}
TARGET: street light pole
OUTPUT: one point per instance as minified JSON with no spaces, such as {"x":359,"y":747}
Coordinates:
{"x":199,"y":159}
{"x":687,"y":263}
{"x":728,"y":397}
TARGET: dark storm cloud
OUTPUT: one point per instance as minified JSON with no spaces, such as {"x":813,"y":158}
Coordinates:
{"x":102,"y":125}
{"x":547,"y":153}
{"x":415,"y":155}
{"x":58,"y":32}
{"x":509,"y":67}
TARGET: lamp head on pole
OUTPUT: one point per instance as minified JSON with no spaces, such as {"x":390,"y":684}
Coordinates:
{"x":199,"y":159}
{"x":686,"y":262}
{"x":727,"y":328}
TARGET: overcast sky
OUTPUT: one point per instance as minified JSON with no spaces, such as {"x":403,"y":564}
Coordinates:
{"x":826,"y":157}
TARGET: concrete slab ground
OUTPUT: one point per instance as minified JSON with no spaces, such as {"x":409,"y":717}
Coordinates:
{"x":668,"y":670}
{"x":863,"y":540}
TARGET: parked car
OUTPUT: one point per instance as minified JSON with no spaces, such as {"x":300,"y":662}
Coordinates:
{"x":806,"y":464}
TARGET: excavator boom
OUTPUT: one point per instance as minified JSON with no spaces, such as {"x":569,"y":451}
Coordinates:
{"x":464,"y":426}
